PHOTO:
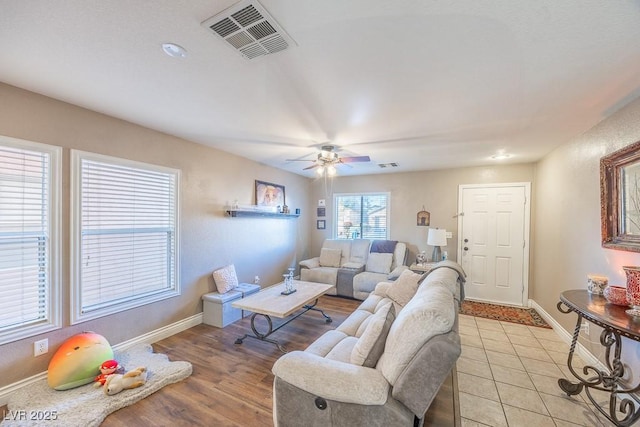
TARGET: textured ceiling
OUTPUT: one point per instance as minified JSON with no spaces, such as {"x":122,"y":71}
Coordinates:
{"x":426,"y":84}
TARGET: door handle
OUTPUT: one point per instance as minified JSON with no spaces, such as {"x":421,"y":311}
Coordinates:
{"x":466,"y":240}
{"x":466,"y":248}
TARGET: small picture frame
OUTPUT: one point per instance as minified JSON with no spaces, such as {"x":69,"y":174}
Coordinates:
{"x":321,"y":224}
{"x":423,"y":218}
{"x":322,"y":212}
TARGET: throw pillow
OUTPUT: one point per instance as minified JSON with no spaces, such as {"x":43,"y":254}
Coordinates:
{"x":225,"y":278}
{"x":379,"y":263}
{"x":397,"y":272}
{"x":370,"y":345}
{"x":402,"y":290}
{"x":330,"y":257}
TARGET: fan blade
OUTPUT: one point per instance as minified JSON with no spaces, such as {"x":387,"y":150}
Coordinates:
{"x":299,"y":160}
{"x":355,"y":159}
{"x":311,"y":167}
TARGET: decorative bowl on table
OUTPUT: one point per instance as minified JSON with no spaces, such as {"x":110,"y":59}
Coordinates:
{"x":616,"y":295}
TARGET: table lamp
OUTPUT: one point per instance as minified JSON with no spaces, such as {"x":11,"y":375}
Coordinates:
{"x":437,"y":237}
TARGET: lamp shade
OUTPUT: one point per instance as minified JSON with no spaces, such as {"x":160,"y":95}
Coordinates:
{"x":437,"y":237}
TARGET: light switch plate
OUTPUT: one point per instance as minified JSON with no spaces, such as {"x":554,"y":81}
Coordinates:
{"x":449,"y":235}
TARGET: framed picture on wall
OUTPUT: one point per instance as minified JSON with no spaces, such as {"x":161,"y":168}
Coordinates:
{"x":269,"y":194}
{"x":322,"y":212}
{"x":423,"y":218}
{"x":321,"y":224}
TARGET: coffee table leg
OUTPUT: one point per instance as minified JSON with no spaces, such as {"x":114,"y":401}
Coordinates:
{"x":263,"y":337}
{"x":260,"y":336}
{"x":327,"y":319}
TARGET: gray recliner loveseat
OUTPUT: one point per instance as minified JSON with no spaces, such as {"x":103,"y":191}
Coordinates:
{"x":377,"y":367}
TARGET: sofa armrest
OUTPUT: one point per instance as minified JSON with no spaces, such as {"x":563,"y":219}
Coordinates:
{"x":332,"y":379}
{"x":310,"y":263}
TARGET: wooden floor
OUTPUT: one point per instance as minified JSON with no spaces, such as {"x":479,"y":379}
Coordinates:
{"x":231,"y":384}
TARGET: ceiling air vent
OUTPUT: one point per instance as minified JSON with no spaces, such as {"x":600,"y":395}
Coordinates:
{"x":388,"y":165}
{"x":249,"y":29}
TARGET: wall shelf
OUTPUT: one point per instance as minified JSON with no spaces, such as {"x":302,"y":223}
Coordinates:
{"x":239,"y":213}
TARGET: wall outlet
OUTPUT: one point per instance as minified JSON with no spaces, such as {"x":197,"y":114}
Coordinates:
{"x":584,"y":328}
{"x":40,"y":347}
{"x":256,"y":280}
{"x":449,"y":234}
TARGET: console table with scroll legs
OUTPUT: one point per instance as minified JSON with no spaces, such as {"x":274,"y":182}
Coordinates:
{"x":624,"y":406}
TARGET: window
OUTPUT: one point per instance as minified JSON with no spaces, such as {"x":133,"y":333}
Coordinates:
{"x":125,"y":234}
{"x":361,"y":216}
{"x":29,"y":239}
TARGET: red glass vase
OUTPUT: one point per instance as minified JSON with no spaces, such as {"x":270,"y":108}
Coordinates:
{"x":633,"y":289}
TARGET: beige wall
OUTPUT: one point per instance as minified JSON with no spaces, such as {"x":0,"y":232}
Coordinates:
{"x":436,"y":190}
{"x":210,"y":179}
{"x":567,"y":236}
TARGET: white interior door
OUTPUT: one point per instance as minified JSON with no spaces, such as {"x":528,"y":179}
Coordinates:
{"x":493,"y":226}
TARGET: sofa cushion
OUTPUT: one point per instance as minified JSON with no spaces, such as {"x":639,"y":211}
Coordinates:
{"x":225,"y":278}
{"x":343,"y":245}
{"x":402,"y":290}
{"x":370,"y":345}
{"x":399,"y":255}
{"x":327,"y":275}
{"x":379,"y":262}
{"x":330,"y":257}
{"x":396,"y":272}
{"x":323,"y":345}
{"x":359,"y":251}
{"x":342,"y":351}
{"x":429,"y":313}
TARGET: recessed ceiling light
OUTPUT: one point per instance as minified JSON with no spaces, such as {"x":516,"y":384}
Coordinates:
{"x":174,"y":50}
{"x":500,"y":156}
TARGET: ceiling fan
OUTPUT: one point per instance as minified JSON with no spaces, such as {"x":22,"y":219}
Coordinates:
{"x":328,"y":158}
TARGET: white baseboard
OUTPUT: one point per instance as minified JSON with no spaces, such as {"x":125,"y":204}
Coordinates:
{"x":149,"y":338}
{"x":566,"y":336}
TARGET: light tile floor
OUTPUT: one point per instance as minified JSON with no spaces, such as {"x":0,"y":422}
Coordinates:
{"x":508,"y":376}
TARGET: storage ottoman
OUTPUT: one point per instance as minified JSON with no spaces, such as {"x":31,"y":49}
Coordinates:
{"x":217,"y":310}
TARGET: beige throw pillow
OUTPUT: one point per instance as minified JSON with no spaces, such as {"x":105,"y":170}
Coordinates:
{"x":379,"y":263}
{"x":225,"y":278}
{"x":370,"y":345}
{"x":404,"y":288}
{"x":330,"y":257}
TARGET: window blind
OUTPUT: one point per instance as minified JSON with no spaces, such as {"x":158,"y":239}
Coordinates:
{"x":128,"y":233}
{"x":24,"y":237}
{"x":361,"y":216}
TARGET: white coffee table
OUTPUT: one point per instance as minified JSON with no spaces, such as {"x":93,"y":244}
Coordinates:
{"x":270,"y":302}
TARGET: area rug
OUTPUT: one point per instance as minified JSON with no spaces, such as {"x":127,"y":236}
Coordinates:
{"x":523,"y":316}
{"x":87,"y":405}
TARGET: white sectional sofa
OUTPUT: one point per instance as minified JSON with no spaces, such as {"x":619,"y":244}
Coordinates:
{"x":354,"y":267}
{"x":350,"y":256}
{"x":384,"y":364}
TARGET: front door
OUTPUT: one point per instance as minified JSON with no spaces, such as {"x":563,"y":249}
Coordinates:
{"x":493,"y":226}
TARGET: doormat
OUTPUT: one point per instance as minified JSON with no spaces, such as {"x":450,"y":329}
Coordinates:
{"x":40,"y":405}
{"x":523,"y":316}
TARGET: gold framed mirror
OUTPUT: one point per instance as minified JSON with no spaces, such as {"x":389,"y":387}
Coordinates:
{"x":620,"y":199}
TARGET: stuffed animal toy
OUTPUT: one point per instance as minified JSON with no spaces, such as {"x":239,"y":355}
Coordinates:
{"x":109,"y":367}
{"x":77,"y":360}
{"x":118,"y":382}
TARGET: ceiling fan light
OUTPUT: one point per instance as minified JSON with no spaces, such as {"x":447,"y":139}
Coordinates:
{"x":320,"y":170}
{"x":331,"y":170}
